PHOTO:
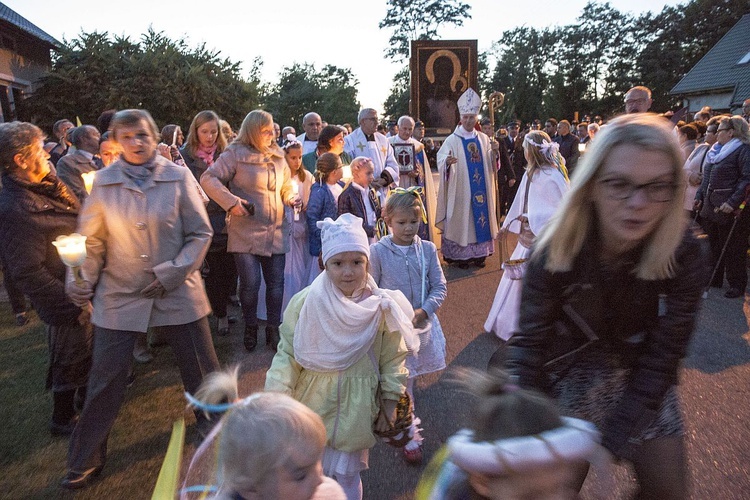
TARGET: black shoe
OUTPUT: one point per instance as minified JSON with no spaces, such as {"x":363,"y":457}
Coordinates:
{"x":479,"y":262}
{"x":272,"y":337}
{"x":65,"y":429}
{"x":463,"y":264}
{"x":76,"y":480}
{"x":22,"y":319}
{"x":251,"y":337}
{"x":733,"y":293}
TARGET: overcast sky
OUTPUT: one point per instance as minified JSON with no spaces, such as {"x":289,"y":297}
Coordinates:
{"x":342,"y":33}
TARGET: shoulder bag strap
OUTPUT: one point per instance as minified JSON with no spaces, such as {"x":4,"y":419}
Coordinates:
{"x":526,"y":195}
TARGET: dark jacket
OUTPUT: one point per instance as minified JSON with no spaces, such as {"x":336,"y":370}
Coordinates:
{"x":216,"y":214}
{"x":557,"y":310}
{"x":351,"y":202}
{"x":69,"y":170}
{"x":320,"y":205}
{"x":725,"y":181}
{"x":505,"y":166}
{"x":31,"y":217}
{"x":568,"y":150}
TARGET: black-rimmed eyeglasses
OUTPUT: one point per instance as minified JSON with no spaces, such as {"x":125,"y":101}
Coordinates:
{"x":622,"y":189}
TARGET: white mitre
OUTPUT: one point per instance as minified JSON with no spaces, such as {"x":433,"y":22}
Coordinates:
{"x":469,"y":103}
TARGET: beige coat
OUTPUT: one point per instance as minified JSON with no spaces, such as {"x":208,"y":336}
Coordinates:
{"x":263,"y":180}
{"x":136,"y":234}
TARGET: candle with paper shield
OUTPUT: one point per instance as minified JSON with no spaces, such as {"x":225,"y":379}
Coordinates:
{"x":581,"y":147}
{"x":295,"y":190}
{"x":72,"y":251}
{"x":88,"y":180}
{"x":346,"y":173}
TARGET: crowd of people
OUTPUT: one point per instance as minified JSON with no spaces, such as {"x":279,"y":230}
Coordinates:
{"x":332,"y":242}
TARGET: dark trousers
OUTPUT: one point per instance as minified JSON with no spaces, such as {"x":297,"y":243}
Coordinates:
{"x":15,"y":296}
{"x":734,"y":263}
{"x":249,"y":270}
{"x":221,"y":280}
{"x":112,"y":357}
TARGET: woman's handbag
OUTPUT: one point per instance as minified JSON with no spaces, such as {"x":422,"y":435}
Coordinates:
{"x":516,"y":268}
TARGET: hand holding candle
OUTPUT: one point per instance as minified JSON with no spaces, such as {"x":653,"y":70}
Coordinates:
{"x":295,"y":191}
{"x":72,"y":251}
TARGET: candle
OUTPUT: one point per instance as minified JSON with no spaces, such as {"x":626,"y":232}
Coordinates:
{"x":295,"y":190}
{"x":581,"y":147}
{"x":72,"y":251}
{"x":346,"y":171}
{"x":88,"y":180}
{"x":174,"y":137}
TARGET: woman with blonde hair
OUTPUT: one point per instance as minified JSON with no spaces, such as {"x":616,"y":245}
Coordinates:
{"x":720,"y":199}
{"x":610,"y":299}
{"x":251,"y":181}
{"x":542,"y":188}
{"x":205,"y":142}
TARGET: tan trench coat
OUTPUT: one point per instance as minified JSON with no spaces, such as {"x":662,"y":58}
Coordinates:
{"x":263,"y":180}
{"x":136,"y":234}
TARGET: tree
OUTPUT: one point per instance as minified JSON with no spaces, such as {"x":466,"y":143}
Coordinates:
{"x":419,"y":20}
{"x":397,"y":103}
{"x":331,"y":92}
{"x":172,"y":81}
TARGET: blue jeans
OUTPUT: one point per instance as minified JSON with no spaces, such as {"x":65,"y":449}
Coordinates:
{"x":249,"y":270}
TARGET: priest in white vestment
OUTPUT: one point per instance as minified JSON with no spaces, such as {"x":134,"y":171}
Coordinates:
{"x":366,"y":141}
{"x":466,"y":201}
{"x":421,"y":176}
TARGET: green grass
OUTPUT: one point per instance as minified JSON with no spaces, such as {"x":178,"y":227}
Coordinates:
{"x":32,"y":462}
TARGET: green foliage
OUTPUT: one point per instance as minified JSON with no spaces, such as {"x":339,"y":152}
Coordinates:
{"x":589,"y":65}
{"x":419,"y":20}
{"x":173,"y":82}
{"x":397,"y":103}
{"x":330,"y":92}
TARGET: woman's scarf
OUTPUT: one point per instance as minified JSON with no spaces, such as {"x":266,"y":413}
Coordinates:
{"x":139,"y":173}
{"x":719,"y":152}
{"x":206,"y":154}
{"x":334,"y":332}
{"x":54,"y":190}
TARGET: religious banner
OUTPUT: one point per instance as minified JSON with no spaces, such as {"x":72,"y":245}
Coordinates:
{"x":441,"y":70}
{"x":404,"y":154}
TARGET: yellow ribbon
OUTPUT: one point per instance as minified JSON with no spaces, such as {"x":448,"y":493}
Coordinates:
{"x":417,"y":192}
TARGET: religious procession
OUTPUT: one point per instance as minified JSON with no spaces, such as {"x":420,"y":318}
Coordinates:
{"x":440,"y":306}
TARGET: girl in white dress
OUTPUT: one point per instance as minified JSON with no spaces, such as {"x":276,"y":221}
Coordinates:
{"x":541,"y":197}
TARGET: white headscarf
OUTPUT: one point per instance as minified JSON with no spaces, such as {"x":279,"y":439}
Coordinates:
{"x":334,"y":332}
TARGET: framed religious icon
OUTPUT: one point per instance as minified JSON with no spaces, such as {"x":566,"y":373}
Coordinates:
{"x":441,"y":70}
{"x":404,"y":154}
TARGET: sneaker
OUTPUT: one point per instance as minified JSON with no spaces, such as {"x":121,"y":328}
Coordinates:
{"x":413,"y":457}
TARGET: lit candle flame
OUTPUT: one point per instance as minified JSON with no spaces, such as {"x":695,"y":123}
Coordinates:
{"x":88,"y":180}
{"x":346,"y":172}
{"x":581,"y":147}
{"x":72,"y":251}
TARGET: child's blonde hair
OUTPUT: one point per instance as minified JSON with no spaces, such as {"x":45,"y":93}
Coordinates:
{"x":259,"y":433}
{"x":402,"y":200}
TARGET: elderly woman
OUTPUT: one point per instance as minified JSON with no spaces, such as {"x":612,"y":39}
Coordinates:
{"x":330,"y":140}
{"x":205,"y":142}
{"x":147,"y":234}
{"x":36,"y":208}
{"x":610,"y":299}
{"x":251,"y":181}
{"x":720,"y":199}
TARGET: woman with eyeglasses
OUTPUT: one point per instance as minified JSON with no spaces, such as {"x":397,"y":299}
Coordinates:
{"x":251,"y":181}
{"x":610,"y":299}
{"x":721,"y":199}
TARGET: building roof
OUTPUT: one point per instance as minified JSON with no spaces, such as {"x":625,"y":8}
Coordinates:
{"x":719,"y":68}
{"x":9,"y":15}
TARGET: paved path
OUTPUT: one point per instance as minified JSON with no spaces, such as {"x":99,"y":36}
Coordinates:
{"x":715,"y":390}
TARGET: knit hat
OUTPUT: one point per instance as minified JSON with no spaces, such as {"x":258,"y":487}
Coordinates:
{"x":344,"y":234}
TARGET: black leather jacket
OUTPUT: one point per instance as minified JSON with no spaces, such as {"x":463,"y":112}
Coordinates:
{"x":563,"y":311}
